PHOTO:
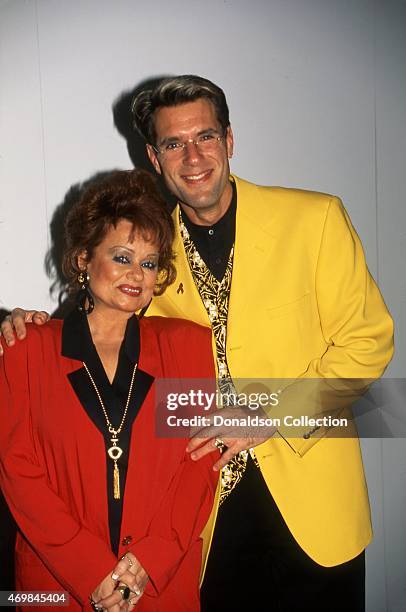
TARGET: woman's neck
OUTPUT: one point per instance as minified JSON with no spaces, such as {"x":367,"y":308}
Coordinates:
{"x":107,"y":334}
{"x":108,"y":327}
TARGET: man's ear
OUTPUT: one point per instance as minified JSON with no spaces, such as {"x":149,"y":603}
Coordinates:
{"x":153,"y":158}
{"x":229,"y":142}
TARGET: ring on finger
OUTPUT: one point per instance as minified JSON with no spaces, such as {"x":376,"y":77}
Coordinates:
{"x":94,"y":605}
{"x":125,"y":591}
{"x":130,"y":562}
{"x":218,"y":443}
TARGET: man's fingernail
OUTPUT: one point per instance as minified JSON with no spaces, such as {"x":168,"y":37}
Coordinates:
{"x":115,"y":576}
{"x":193,"y":456}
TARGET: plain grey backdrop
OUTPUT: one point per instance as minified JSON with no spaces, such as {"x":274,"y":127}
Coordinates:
{"x":317,"y":95}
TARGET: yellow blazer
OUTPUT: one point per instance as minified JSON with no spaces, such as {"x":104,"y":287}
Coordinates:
{"x":302,"y":305}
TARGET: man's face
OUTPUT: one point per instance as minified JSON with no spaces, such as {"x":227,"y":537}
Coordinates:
{"x":199,"y":179}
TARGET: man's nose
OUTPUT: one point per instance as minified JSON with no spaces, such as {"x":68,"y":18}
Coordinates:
{"x":191,"y":152}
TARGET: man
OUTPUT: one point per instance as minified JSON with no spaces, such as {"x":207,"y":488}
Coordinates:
{"x":280,"y":276}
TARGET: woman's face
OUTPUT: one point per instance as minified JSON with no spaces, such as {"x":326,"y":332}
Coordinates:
{"x":122,"y":271}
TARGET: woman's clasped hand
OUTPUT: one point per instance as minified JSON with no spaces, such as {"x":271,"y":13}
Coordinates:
{"x":128,"y":579}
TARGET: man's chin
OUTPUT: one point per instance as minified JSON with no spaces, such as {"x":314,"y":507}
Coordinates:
{"x":200,"y":204}
{"x":198,"y":199}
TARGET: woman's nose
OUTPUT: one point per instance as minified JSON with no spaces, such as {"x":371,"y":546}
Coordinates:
{"x":136,"y":272}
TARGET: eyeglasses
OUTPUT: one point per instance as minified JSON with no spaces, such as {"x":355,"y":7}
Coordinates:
{"x":205,"y":143}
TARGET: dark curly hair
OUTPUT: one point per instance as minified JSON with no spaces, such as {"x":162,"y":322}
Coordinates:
{"x":125,"y":194}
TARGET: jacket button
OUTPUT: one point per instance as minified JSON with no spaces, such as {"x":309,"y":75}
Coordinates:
{"x":126,"y":540}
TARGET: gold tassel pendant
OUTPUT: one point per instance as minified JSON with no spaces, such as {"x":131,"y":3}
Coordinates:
{"x":116,"y":481}
{"x":114,"y":452}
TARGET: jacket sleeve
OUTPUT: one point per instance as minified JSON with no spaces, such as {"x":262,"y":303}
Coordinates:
{"x":186,"y":506}
{"x":356,"y":326}
{"x":78,"y":559}
{"x":179,"y":521}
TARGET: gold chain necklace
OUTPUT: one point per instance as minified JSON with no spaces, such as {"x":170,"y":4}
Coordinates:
{"x":114,"y":452}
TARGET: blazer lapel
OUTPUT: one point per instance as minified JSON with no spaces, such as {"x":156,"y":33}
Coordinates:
{"x":182,"y":299}
{"x":86,"y":394}
{"x":77,"y":345}
{"x":255,"y":236}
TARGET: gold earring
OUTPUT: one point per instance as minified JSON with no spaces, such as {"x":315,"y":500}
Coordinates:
{"x":84,"y":299}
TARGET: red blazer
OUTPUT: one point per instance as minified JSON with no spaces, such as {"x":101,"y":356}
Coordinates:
{"x":53,"y":472}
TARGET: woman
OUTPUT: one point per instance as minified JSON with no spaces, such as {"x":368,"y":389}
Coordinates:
{"x":81,"y":467}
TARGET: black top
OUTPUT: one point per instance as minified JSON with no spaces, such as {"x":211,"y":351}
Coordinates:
{"x":214,"y":242}
{"x":77,"y":344}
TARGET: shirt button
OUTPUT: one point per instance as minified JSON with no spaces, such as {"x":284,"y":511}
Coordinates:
{"x":211,"y":232}
{"x":218,"y":260}
{"x":126,"y":540}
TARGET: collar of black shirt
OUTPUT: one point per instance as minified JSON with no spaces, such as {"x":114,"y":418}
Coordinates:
{"x":214,"y":242}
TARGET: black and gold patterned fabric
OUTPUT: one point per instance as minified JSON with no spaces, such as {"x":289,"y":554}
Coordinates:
{"x":215,"y":296}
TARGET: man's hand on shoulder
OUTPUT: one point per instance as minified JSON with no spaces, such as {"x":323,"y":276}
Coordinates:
{"x":14,"y":324}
